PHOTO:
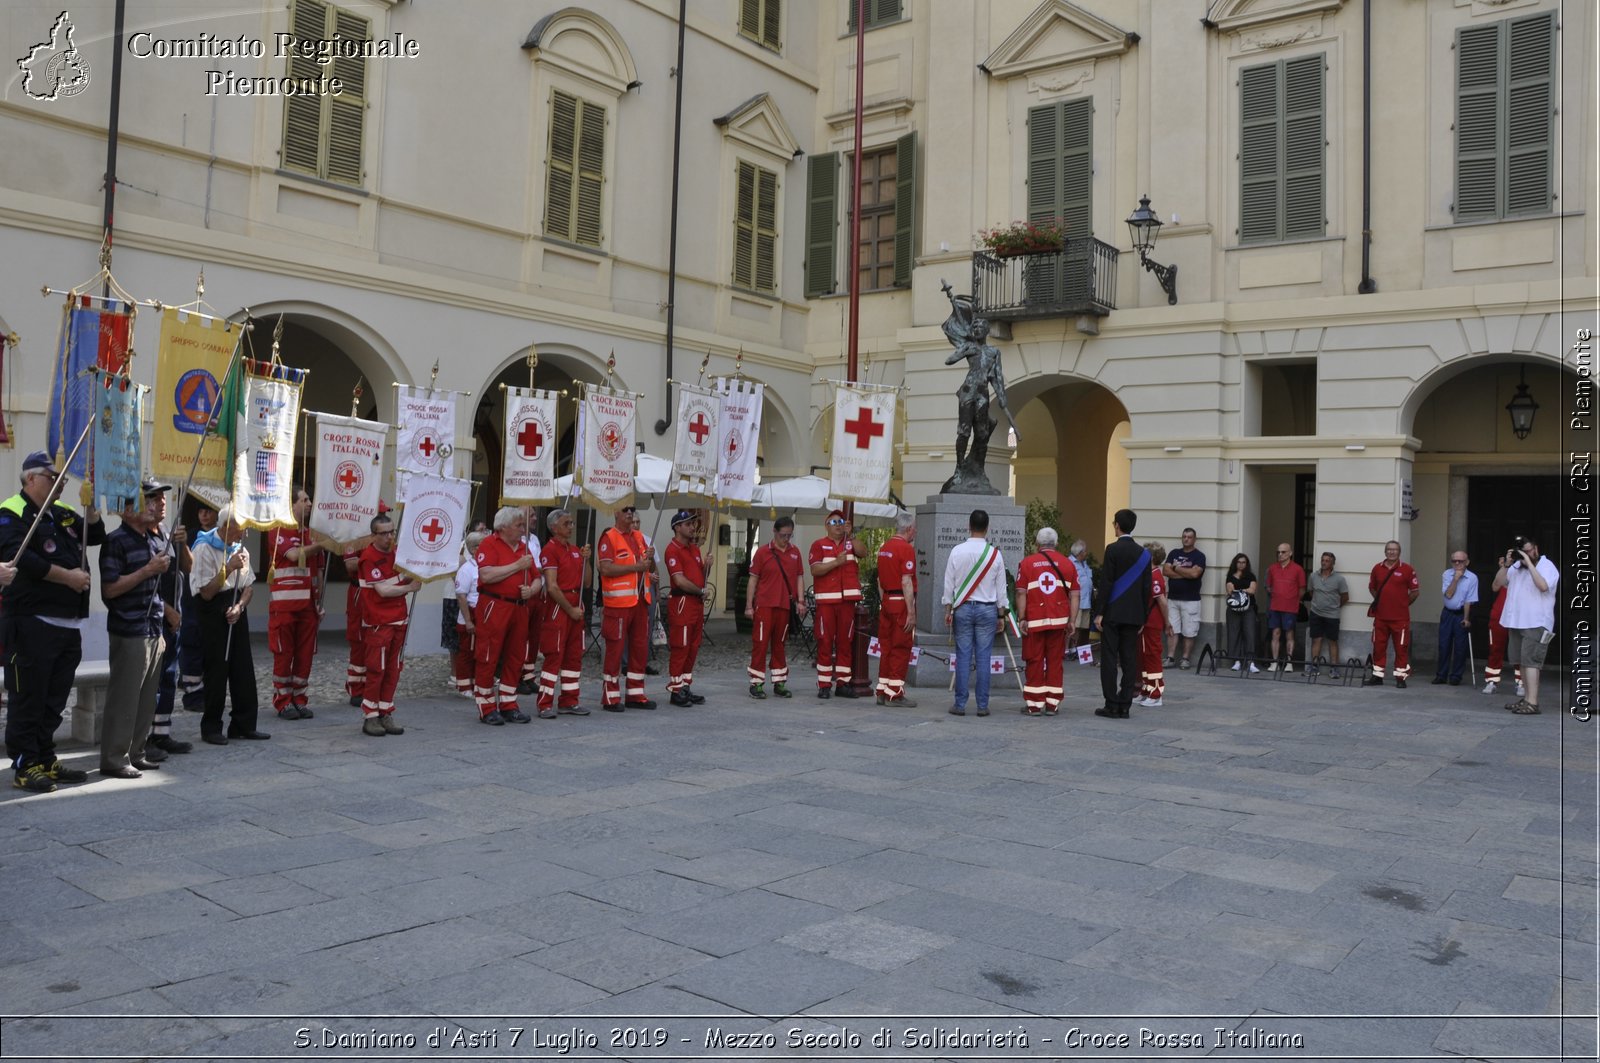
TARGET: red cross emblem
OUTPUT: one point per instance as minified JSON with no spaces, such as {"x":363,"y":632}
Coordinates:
{"x":530,"y":440}
{"x":700,"y":428}
{"x":863,"y":428}
{"x":427,"y":446}
{"x":611,"y":438}
{"x":433,"y":529}
{"x":1047,"y":583}
{"x":349,"y":478}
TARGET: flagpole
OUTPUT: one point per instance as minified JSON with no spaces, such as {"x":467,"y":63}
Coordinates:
{"x":55,"y":491}
{"x":853,"y":340}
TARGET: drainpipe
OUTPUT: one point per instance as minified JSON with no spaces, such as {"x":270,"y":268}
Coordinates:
{"x":1367,"y":286}
{"x":672,"y":240}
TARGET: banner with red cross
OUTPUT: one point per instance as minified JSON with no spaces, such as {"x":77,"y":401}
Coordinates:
{"x":425,"y":423}
{"x":349,"y":475}
{"x":863,"y":442}
{"x":528,"y":474}
{"x":607,"y":430}
{"x":738,"y":437}
{"x":694,"y":458}
{"x":433,"y":523}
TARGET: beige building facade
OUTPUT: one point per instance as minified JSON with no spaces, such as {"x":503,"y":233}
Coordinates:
{"x":500,"y":176}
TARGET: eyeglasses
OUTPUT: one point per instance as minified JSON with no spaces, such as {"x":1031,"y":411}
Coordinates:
{"x":1458,"y":560}
{"x":835,"y":523}
{"x":627,"y":509}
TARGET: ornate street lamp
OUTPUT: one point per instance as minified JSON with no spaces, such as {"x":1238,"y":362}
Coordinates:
{"x":1522,"y":407}
{"x":1144,"y":226}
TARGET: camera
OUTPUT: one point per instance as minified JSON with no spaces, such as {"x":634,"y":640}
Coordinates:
{"x":1514,"y":554}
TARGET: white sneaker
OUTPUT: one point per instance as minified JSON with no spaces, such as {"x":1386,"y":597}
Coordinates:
{"x":1522,"y":691}
{"x":1183,"y":663}
{"x":1488,"y":688}
{"x":1151,"y":703}
{"x":1288,"y":666}
{"x":1253,"y":667}
{"x":1236,"y":666}
{"x":1273,"y":667}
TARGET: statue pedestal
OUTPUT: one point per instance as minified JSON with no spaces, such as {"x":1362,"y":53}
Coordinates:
{"x":941,"y":527}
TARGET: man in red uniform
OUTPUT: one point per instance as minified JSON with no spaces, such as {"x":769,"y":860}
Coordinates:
{"x":836,"y":584}
{"x":774,"y":590}
{"x":530,"y":661}
{"x":897,"y":619}
{"x":506,"y":580}
{"x":1499,"y":637}
{"x":1048,"y":581}
{"x":355,"y":681}
{"x":1394,"y":586}
{"x":686,"y":607}
{"x":1154,"y":680}
{"x":565,"y":574}
{"x":626,"y":568}
{"x":384,"y":612}
{"x":293,"y":611}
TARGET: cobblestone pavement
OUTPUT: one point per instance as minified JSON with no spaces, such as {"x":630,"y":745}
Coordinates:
{"x":1376,"y":873}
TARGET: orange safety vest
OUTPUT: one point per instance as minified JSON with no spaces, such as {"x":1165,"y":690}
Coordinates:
{"x":622,"y":592}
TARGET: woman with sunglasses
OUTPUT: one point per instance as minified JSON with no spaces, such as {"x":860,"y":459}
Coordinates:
{"x":1241,"y":588}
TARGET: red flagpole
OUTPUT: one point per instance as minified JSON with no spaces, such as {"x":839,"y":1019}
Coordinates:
{"x":853,"y":339}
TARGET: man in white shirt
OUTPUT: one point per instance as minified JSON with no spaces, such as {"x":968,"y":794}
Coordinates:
{"x":1529,"y":615}
{"x":974,"y":607}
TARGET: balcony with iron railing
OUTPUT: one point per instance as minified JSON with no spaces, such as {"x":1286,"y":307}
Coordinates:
{"x":1079,"y":278}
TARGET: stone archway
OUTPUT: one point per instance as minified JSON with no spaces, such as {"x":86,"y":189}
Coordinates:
{"x":1071,"y":453}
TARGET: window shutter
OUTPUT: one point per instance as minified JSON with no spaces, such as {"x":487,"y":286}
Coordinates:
{"x":744,"y":224}
{"x":1259,"y":104}
{"x":771,"y":20}
{"x":905,"y":208}
{"x":1303,"y":153}
{"x":1529,"y":74}
{"x":562,"y":165}
{"x":822,"y":194}
{"x":766,"y":278}
{"x":882,"y":12}
{"x":347,"y":113}
{"x":1044,"y":162}
{"x":1077,"y":166}
{"x":591,"y":172}
{"x":302,"y":115}
{"x":1478,"y":122}
{"x":750,"y":18}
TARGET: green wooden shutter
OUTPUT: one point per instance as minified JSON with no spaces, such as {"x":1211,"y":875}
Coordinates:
{"x":1478,"y":122}
{"x":302,"y":115}
{"x":562,"y":165}
{"x":1303,"y":153}
{"x":744,"y":226}
{"x":879,"y":13}
{"x":1530,"y":70}
{"x":905,"y":208}
{"x":1060,"y":189}
{"x":771,"y":16}
{"x":347,"y":112}
{"x":766,"y":231}
{"x":822,"y":223}
{"x":591,"y":172}
{"x":750,"y":18}
{"x":1260,"y":216}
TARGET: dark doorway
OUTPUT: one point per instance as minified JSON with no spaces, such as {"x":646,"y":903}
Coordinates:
{"x":1498,"y":508}
{"x":1305,"y":520}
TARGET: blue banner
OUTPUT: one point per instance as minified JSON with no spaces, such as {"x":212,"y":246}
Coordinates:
{"x":90,"y":337}
{"x":117,"y":439}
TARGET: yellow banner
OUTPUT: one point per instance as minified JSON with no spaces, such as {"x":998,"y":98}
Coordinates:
{"x":193,"y":360}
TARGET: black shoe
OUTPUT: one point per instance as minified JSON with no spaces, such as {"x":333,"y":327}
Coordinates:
{"x":695,"y":698}
{"x":651,"y":669}
{"x":213,"y":739}
{"x":61,"y":773}
{"x":492,"y":719}
{"x":195,"y":704}
{"x":1108,"y":712}
{"x":547,"y":714}
{"x":33,"y":778}
{"x":355,"y":701}
{"x":305,"y":713}
{"x":153,"y":754}
{"x":1372,"y":681}
{"x":845,"y":692}
{"x":1438,"y":681}
{"x":144,"y":764}
{"x":680,"y":698}
{"x":527,"y":686}
{"x":1400,"y":684}
{"x":952,"y":710}
{"x":515,"y":716}
{"x":168,"y":744}
{"x":113,"y":772}
{"x":250,"y":736}
{"x":640,"y":704}
{"x":1456,"y":681}
{"x":825,"y":693}
{"x":572,"y":710}
{"x":612,"y":708}
{"x":290,"y":713}
{"x":757,"y":691}
{"x":782,"y":690}
{"x":983,"y":712}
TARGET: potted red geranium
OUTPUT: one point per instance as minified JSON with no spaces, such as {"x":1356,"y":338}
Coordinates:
{"x":1023,"y":238}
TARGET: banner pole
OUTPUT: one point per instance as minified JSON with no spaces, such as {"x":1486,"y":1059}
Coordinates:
{"x":211,"y":422}
{"x":55,"y":492}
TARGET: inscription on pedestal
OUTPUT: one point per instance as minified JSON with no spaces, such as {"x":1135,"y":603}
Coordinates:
{"x":941,"y":527}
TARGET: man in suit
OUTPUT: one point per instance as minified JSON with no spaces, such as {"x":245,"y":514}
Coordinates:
{"x":1122,"y":602}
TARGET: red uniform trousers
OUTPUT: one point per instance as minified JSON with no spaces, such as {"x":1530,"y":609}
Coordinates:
{"x":530,"y":662}
{"x":355,"y":679}
{"x":629,"y":625}
{"x":1382,"y":630}
{"x":836,"y":632}
{"x":685,"y":624}
{"x":382,"y":648}
{"x":292,"y":638}
{"x":502,"y":640}
{"x":462,"y":665}
{"x":1499,"y":637}
{"x":1152,"y":680}
{"x":894,"y":642}
{"x":562,"y":644}
{"x":771,"y":633}
{"x":1042,"y":653}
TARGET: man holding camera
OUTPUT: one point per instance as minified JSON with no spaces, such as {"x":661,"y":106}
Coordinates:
{"x":1529,"y":615}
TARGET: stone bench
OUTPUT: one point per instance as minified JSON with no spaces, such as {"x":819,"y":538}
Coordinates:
{"x":89,"y":709}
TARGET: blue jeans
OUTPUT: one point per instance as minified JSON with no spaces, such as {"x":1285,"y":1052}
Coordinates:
{"x":1452,"y":646}
{"x":974,"y":628}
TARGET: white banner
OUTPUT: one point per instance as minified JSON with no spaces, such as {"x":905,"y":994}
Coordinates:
{"x":528,"y":473}
{"x":863,"y":442}
{"x":739,"y":432}
{"x":694,"y":458}
{"x":432,"y":525}
{"x":263,"y":471}
{"x":608,"y":424}
{"x":425,"y":426}
{"x":349,"y":468}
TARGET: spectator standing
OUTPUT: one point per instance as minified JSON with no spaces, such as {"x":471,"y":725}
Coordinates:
{"x":1394,"y":586}
{"x":191,"y":654}
{"x":132,"y":562}
{"x":1080,"y":561}
{"x":1183,"y":569}
{"x":1241,"y":587}
{"x":1122,"y":605}
{"x":1529,"y":615}
{"x":1329,"y":593}
{"x":1460,"y":588}
{"x":1286,"y":585}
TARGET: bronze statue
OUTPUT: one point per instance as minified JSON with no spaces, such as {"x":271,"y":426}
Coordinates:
{"x":967,"y":333}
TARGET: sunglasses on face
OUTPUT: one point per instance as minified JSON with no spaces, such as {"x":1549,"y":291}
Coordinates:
{"x":627,"y":509}
{"x":835,"y":523}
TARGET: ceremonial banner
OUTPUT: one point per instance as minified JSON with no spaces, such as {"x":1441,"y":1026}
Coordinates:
{"x":190,"y":364}
{"x":263,"y":472}
{"x":91,"y":337}
{"x":739,"y":430}
{"x":118,"y":440}
{"x":432,"y":525}
{"x":425,"y":425}
{"x":528,"y":473}
{"x":863,"y":442}
{"x":349,"y":466}
{"x":606,"y":471}
{"x":694,"y":458}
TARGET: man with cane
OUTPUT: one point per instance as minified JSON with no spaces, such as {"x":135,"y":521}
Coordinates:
{"x":42,"y":619}
{"x":223,"y":586}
